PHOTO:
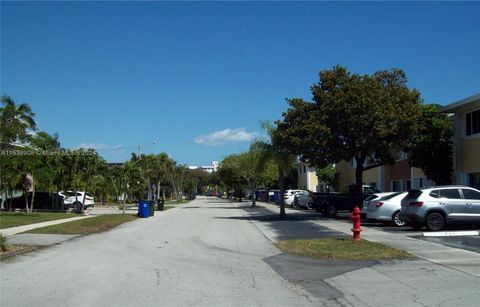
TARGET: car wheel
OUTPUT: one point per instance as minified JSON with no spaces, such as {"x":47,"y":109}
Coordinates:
{"x":435,"y":221}
{"x":76,"y":206}
{"x":309,"y":206}
{"x":396,"y":219}
{"x":330,"y":210}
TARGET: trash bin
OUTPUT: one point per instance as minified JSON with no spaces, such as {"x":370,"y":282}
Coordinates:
{"x":160,"y":204}
{"x":151,"y":208}
{"x":144,"y":208}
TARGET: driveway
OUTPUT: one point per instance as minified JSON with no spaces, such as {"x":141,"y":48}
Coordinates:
{"x":189,"y":256}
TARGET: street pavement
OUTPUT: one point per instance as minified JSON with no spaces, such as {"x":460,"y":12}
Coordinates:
{"x":188,"y":256}
{"x":213,"y":252}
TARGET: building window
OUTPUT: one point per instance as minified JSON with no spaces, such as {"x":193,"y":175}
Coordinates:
{"x":304,"y":169}
{"x":474,"y":180}
{"x":397,"y":186}
{"x":472,"y":123}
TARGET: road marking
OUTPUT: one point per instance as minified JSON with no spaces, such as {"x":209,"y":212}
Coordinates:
{"x":451,"y":233}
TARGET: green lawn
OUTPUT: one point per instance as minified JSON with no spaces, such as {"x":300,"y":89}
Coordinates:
{"x":13,"y":219}
{"x":342,"y":248}
{"x":87,"y":226}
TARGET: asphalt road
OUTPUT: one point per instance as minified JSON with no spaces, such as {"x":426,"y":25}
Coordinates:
{"x":192,"y":256}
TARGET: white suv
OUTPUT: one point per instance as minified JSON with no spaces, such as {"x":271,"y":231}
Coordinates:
{"x":73,"y":201}
{"x":289,"y":196}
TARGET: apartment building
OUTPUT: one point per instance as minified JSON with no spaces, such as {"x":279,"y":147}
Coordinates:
{"x":466,"y":141}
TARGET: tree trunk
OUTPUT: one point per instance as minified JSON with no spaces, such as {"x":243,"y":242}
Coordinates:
{"x":357,"y":197}
{"x":33,"y":194}
{"x":149,"y":188}
{"x":281,"y":186}
{"x":254,"y":199}
{"x":26,"y":201}
{"x":83,"y":201}
{"x":124,"y":201}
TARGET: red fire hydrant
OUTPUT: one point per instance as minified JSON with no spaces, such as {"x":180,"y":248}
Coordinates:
{"x":355,"y":217}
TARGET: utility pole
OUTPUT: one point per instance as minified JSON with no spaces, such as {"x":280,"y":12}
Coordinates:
{"x":139,"y":152}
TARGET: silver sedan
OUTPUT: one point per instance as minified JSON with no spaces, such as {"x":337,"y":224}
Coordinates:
{"x":387,"y":209}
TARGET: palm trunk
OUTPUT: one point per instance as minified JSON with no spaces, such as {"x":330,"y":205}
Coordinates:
{"x":254,"y":199}
{"x":357,"y":197}
{"x":33,"y":194}
{"x":149,"y":187}
{"x":281,"y":185}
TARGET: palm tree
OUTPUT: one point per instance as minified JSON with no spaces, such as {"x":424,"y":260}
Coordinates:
{"x":284,"y":160}
{"x":15,"y":123}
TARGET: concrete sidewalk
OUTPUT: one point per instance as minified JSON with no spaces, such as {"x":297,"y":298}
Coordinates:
{"x":19,"y":229}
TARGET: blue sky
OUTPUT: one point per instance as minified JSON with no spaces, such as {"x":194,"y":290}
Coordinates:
{"x":195,"y":79}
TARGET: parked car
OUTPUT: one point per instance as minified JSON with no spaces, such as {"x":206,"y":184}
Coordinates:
{"x":42,"y":201}
{"x":289,"y":196}
{"x":387,"y":209}
{"x":330,"y":203}
{"x":302,"y":199}
{"x":72,"y":201}
{"x":373,"y":198}
{"x":438,"y":206}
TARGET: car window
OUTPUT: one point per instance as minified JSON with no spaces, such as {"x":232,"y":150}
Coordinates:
{"x":390,"y":196}
{"x":470,"y":194}
{"x":435,"y":193}
{"x":413,"y":194}
{"x":450,"y":193}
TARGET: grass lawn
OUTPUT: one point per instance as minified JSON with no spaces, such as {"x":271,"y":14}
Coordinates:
{"x":87,"y":226}
{"x":13,"y":219}
{"x":342,"y":248}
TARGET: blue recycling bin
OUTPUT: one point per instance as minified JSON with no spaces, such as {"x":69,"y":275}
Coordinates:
{"x":144,"y":209}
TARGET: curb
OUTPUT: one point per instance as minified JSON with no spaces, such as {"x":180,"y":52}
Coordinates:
{"x":451,"y":233}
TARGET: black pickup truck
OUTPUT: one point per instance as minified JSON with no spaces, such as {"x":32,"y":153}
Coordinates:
{"x":330,"y":203}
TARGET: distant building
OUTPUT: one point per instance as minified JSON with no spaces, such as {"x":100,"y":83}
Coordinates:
{"x":209,"y":169}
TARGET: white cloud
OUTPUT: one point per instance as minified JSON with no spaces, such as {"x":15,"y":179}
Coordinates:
{"x":225,"y":136}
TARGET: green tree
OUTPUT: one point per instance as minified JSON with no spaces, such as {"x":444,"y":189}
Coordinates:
{"x":230,"y":176}
{"x":16,"y":121}
{"x":255,"y":170}
{"x":431,"y":149}
{"x":329,"y":175}
{"x":352,"y":116}
{"x":273,"y":150}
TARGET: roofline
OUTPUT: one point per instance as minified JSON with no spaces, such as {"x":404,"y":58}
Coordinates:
{"x":460,"y":103}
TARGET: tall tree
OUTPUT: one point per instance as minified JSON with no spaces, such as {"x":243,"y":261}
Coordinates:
{"x":16,"y":121}
{"x":353,"y":116}
{"x":431,"y":149}
{"x":255,"y":170}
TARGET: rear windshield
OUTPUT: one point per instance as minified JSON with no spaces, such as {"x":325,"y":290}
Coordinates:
{"x":373,"y":196}
{"x":412,"y":194}
{"x":390,"y":196}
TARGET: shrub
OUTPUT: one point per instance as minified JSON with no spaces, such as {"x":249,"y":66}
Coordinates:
{"x":3,"y":243}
